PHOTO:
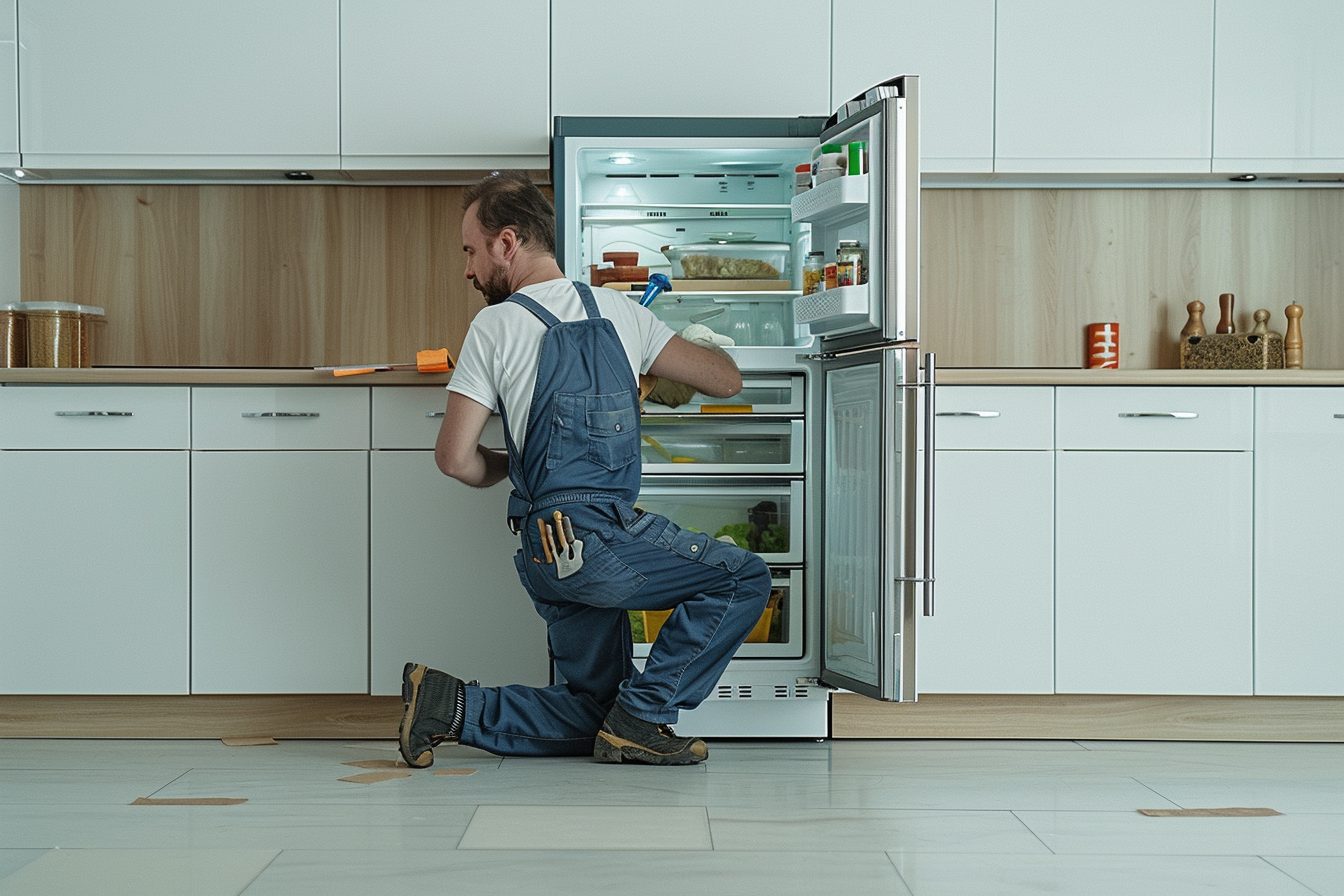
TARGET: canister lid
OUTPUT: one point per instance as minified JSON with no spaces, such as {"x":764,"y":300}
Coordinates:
{"x":92,"y":310}
{"x":69,"y":307}
{"x":16,"y":307}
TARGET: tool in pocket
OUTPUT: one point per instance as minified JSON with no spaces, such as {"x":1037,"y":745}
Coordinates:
{"x":569,"y":556}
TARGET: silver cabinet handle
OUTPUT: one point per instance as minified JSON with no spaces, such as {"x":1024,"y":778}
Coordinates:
{"x":1339,"y":416}
{"x":1177,"y":415}
{"x":433,"y":414}
{"x":93,"y":414}
{"x":281,"y":414}
{"x":967,"y":414}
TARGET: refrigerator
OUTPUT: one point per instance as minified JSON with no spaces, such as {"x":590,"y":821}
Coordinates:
{"x":822,"y":464}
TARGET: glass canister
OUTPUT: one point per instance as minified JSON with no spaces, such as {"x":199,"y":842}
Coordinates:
{"x":91,"y":321}
{"x":13,"y":336}
{"x":852,"y":258}
{"x":53,"y":333}
{"x":813,"y":270}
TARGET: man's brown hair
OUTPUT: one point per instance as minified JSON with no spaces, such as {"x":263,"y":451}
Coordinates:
{"x":510,"y":199}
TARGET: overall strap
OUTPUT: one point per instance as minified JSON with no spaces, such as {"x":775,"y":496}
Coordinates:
{"x":546,"y":317}
{"x":589,"y":302}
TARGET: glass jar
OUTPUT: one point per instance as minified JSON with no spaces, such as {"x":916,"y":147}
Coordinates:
{"x":853,"y":253}
{"x":813,"y":267}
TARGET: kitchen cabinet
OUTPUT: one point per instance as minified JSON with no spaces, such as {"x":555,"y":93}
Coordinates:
{"x":418,"y":77}
{"x":1278,"y":102}
{"x":280,"y":534}
{"x":993,"y":628}
{"x":699,"y":58}
{"x":9,"y":84}
{"x":443,"y":589}
{"x":191,"y":84}
{"x":1091,"y":86}
{"x":1153,"y":540}
{"x":96,"y":597}
{"x":1299,"y":488}
{"x":950,"y":45}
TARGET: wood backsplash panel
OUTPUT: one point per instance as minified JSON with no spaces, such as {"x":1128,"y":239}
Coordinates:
{"x":1011,"y":277}
{"x":302,"y":275}
{"x":253,"y":276}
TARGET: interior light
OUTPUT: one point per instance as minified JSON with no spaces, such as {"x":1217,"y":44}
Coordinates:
{"x":18,"y":172}
{"x":622,"y":158}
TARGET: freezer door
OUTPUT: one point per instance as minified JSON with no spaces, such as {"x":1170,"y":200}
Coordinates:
{"x":875,"y":411}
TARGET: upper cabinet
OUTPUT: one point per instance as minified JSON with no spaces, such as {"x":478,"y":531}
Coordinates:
{"x":1279,"y":87}
{"x":950,"y":45}
{"x":747,"y":58}
{"x":195,"y":84}
{"x":1094,"y":86}
{"x":422,"y":88}
{"x":9,"y":85}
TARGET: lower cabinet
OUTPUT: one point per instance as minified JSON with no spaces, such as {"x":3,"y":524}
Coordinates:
{"x":442,"y":585}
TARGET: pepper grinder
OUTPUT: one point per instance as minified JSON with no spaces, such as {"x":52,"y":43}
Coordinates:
{"x":1225,"y":322}
{"x":1292,"y":340}
{"x":1194,"y":326}
{"x":1261,"y":327}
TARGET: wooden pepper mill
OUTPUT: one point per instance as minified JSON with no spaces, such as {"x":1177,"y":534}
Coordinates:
{"x":1261,"y":327}
{"x":1225,"y":322}
{"x":1292,"y":340}
{"x":1194,"y":325}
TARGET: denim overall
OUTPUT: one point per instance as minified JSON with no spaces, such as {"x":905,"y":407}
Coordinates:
{"x":582,"y":457}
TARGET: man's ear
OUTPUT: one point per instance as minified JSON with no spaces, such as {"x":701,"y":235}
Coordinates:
{"x":508,"y":243}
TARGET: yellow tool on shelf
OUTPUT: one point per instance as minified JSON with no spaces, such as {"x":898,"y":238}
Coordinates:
{"x":430,"y":360}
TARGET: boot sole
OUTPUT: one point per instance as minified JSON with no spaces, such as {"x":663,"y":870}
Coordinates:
{"x":608,"y":747}
{"x":410,"y":693}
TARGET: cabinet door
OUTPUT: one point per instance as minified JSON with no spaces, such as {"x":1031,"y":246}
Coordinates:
{"x":421,"y":85}
{"x":1153,"y":572}
{"x":950,"y":45}
{"x":1098,"y":86}
{"x":748,"y":58}
{"x":1278,"y":85}
{"x":1299,"y":488}
{"x":179,"y":83}
{"x":96,"y":574}
{"x":443,"y":587}
{"x":993,"y":628}
{"x":9,"y":85}
{"x":279,"y":572}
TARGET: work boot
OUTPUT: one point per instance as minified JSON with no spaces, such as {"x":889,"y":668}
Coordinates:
{"x":435,"y":707}
{"x":624,"y":736}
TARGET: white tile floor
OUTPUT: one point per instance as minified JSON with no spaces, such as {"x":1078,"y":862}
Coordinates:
{"x":944,"y":818}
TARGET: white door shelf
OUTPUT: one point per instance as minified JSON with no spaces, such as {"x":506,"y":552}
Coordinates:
{"x":844,"y":305}
{"x":837,"y":198}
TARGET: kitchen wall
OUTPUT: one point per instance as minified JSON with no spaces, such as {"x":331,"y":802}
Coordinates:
{"x":304,"y":275}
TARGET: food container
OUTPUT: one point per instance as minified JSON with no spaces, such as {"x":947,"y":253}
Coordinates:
{"x":729,"y":261}
{"x":601,"y":276}
{"x":53,"y":333}
{"x":92,"y":319}
{"x":621,"y":259}
{"x":13,"y":336}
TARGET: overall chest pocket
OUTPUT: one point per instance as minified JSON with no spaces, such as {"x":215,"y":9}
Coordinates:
{"x":603,"y":428}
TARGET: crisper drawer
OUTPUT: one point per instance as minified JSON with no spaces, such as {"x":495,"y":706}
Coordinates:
{"x":260,"y":418}
{"x":712,"y":443}
{"x":1003,"y":418}
{"x":408,"y":418}
{"x":778,"y":633}
{"x":94,"y":417}
{"x":765,"y":517}
{"x":1154,"y":418}
{"x":781,"y":394}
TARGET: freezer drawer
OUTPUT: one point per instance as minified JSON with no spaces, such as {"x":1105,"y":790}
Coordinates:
{"x":760,"y":395}
{"x":718,"y":444}
{"x":778,"y":634}
{"x":766,"y":515}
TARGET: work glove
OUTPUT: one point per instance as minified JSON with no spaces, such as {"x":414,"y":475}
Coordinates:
{"x":674,"y":394}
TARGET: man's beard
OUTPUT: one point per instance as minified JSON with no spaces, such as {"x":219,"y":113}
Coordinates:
{"x":495,"y":288}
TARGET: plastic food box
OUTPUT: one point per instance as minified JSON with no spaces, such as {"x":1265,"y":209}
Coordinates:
{"x":729,"y":261}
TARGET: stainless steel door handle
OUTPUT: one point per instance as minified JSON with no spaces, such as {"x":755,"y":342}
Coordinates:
{"x":94,"y":414}
{"x":967,"y":414}
{"x":1175,"y":415}
{"x":280,"y":414}
{"x":930,"y":414}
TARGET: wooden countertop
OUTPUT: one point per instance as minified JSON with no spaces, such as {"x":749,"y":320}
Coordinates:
{"x":947,"y":376}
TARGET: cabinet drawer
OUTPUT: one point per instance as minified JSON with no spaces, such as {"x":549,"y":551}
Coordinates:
{"x":113,"y":417}
{"x":995,"y":417}
{"x":1294,"y":413}
{"x":266,"y":418}
{"x":721,"y":444}
{"x":408,"y":418}
{"x":1154,"y":418}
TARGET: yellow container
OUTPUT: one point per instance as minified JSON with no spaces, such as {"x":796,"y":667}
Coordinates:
{"x":654,"y":619}
{"x":53,"y":333}
{"x":13,"y":336}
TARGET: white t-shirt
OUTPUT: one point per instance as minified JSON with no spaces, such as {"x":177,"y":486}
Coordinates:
{"x":503,"y":345}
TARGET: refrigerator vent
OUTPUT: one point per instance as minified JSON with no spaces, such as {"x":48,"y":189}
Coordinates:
{"x":781,"y":690}
{"x":731,"y":692}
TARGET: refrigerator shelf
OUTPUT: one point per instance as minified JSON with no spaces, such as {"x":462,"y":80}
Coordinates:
{"x":834,"y":199}
{"x":833,"y":307}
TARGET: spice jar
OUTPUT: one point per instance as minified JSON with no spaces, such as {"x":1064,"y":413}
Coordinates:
{"x":813,"y":271}
{"x":853,"y":253}
{"x":13,"y":336}
{"x":829,"y":275}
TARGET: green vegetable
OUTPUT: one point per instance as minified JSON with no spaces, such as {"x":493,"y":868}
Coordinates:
{"x":775,"y":539}
{"x":739,"y":532}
